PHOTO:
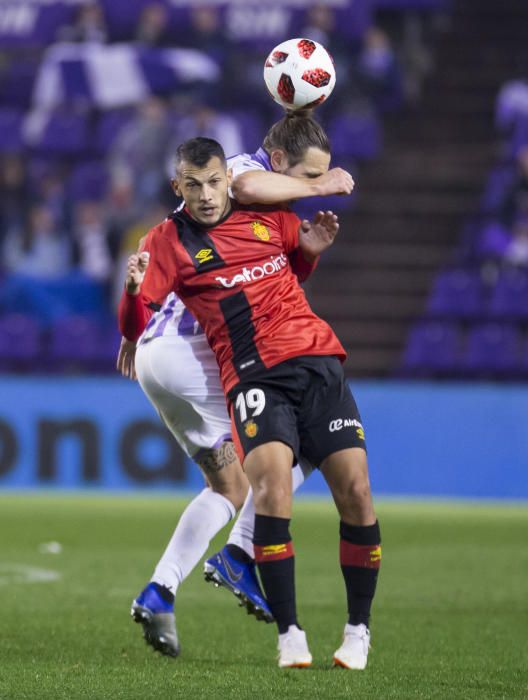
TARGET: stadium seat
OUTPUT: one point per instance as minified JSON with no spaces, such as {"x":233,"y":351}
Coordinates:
{"x":88,"y":181}
{"x":456,"y":294}
{"x":432,"y":348}
{"x":20,"y":342}
{"x":251,"y":128}
{"x":65,"y":133}
{"x":18,"y":81}
{"x":509,"y":298}
{"x":355,"y":135}
{"x":108,"y":127}
{"x":493,"y":349}
{"x":10,"y":130}
{"x":492,"y":241}
{"x":499,"y":180}
{"x":74,"y":342}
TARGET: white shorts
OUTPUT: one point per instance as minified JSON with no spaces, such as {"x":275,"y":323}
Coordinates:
{"x":180,"y":376}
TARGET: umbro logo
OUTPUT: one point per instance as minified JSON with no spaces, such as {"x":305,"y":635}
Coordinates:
{"x":204,"y":255}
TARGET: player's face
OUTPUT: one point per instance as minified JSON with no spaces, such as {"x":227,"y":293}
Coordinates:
{"x":314,"y":163}
{"x":205,"y":190}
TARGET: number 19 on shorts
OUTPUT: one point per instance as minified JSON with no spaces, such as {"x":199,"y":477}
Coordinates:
{"x":250,"y":404}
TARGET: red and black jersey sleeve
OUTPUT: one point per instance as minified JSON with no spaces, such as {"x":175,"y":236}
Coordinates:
{"x":160,"y":279}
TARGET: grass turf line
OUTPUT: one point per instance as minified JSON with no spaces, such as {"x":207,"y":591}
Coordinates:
{"x":449,"y":618}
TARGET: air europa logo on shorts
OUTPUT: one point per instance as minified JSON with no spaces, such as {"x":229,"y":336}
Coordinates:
{"x":341,"y":423}
{"x":252,"y":274}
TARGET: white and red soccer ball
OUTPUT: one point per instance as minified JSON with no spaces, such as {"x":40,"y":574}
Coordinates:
{"x":299,"y":73}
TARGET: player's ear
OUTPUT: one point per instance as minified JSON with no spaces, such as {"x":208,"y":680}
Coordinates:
{"x":279,"y":160}
{"x":176,"y":188}
{"x":229,"y":174}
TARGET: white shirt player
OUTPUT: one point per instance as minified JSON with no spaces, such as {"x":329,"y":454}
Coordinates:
{"x":178,"y":372}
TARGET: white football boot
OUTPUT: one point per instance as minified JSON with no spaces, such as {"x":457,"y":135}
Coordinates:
{"x":293,"y":649}
{"x":353,"y":653}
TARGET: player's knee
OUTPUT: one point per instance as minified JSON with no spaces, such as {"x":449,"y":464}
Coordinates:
{"x":271,"y":499}
{"x":355,"y":492}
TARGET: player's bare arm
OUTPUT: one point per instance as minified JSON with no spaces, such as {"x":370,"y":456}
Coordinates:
{"x":317,"y":235}
{"x":274,"y":188}
{"x":126,"y":359}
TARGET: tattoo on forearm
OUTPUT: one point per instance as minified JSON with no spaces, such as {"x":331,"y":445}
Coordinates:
{"x":216,"y":459}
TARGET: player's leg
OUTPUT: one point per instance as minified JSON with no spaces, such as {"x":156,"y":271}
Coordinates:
{"x":346,"y":473}
{"x":266,"y":439}
{"x":335,"y":438}
{"x":269,"y":471}
{"x":240,"y":540}
{"x":215,"y":505}
{"x":224,"y":567}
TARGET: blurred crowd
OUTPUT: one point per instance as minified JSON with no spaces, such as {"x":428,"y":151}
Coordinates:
{"x":79,"y":185}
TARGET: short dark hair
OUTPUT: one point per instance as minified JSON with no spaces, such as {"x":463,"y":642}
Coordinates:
{"x":198,"y":151}
{"x":295,"y":134}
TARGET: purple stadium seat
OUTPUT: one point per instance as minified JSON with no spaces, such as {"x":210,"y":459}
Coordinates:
{"x":432,"y":348}
{"x":355,"y":135}
{"x":73,"y":342}
{"x":10,"y":130}
{"x":108,"y":127}
{"x":510,"y":295}
{"x":83,"y":342}
{"x":498,"y":182}
{"x":20,"y":342}
{"x":251,"y":129}
{"x":493,"y":349}
{"x":88,"y":180}
{"x":18,"y":81}
{"x":492,"y":241}
{"x":66,"y":134}
{"x":106,"y":355}
{"x":456,"y":294}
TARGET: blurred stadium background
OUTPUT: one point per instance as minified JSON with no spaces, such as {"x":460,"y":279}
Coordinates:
{"x":427,"y":285}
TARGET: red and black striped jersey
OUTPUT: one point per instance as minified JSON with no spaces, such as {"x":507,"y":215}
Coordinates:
{"x":237,"y":280}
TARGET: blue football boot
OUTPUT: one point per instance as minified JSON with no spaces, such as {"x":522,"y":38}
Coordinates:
{"x":241,"y":579}
{"x":156,"y":615}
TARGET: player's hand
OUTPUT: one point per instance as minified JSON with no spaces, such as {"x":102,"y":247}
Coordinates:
{"x":136,"y":268}
{"x":335,"y":181}
{"x":318,"y":235}
{"x":126,"y":359}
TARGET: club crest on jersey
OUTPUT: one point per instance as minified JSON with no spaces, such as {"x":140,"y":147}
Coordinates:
{"x":260,"y":231}
{"x":250,"y":428}
{"x":204,"y":255}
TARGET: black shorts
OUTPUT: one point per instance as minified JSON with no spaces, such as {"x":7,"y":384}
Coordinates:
{"x":304,"y":402}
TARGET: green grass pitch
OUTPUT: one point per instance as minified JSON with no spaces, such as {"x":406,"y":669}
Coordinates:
{"x":450,"y":619}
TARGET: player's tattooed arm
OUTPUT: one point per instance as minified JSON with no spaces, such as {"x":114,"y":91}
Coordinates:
{"x":216,"y":459}
{"x":126,"y":358}
{"x":317,"y":235}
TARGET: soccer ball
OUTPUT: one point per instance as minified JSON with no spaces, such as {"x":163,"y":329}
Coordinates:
{"x":299,"y":73}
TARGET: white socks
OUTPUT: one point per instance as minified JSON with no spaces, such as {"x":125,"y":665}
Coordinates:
{"x":241,"y":533}
{"x":200,"y":521}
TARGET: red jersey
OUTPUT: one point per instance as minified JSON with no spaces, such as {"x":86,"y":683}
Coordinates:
{"x":237,"y":280}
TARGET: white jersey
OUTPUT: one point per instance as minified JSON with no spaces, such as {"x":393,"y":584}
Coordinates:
{"x":173,"y":319}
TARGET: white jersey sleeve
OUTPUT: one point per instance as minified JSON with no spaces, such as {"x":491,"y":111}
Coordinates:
{"x":243,"y":163}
